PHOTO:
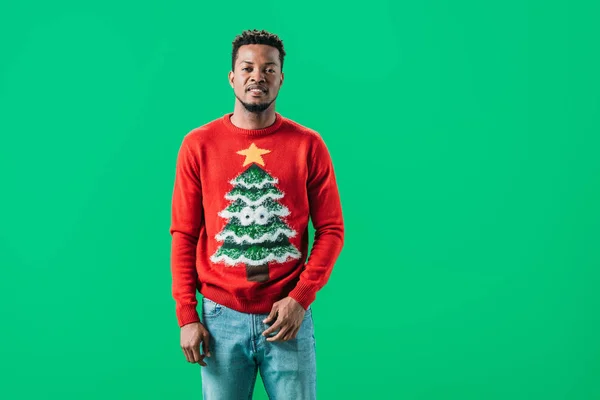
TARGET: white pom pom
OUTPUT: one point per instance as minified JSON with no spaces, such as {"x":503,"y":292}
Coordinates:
{"x":246,"y":216}
{"x":261,"y":215}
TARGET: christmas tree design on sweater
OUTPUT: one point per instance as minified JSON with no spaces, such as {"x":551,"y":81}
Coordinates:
{"x":256,"y":232}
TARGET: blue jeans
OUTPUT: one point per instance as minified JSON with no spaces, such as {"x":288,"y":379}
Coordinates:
{"x":238,"y":350}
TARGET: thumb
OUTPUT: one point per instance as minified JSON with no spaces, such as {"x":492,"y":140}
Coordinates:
{"x":271,"y":315}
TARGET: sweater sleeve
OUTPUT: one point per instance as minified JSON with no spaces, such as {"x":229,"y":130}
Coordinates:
{"x":186,"y":219}
{"x":326,"y":216}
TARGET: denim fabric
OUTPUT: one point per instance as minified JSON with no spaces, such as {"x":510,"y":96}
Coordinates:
{"x":238,"y":350}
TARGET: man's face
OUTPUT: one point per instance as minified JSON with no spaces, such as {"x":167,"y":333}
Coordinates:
{"x":257,"y":76}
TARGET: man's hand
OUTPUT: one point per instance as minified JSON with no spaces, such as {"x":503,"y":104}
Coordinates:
{"x":289,"y":318}
{"x":191,"y":336}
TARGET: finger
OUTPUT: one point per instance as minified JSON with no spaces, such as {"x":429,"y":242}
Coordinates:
{"x":206,"y":344}
{"x":187,"y":354}
{"x":291,"y":335}
{"x":196,"y":353}
{"x":296,"y":333}
{"x":287,"y":336}
{"x":272,"y":328}
{"x":277,"y":337}
{"x":271,"y":315}
{"x":201,"y":360}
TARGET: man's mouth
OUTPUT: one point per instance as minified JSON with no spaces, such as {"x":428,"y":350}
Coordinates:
{"x":257,"y":90}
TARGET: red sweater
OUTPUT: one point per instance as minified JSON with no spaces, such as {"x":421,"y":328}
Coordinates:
{"x":241,"y":204}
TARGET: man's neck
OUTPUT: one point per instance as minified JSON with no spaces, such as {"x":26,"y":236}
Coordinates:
{"x":244,"y":119}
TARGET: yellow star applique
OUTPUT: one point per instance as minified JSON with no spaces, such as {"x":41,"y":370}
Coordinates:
{"x":253,"y":154}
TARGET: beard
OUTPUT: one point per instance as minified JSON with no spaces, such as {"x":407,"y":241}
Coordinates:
{"x":255,"y":107}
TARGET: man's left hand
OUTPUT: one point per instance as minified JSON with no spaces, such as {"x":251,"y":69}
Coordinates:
{"x":289,"y":318}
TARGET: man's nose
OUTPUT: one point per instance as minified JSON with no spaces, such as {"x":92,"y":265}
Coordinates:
{"x":258,"y":75}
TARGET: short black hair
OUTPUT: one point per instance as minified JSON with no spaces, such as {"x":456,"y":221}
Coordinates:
{"x":255,"y":36}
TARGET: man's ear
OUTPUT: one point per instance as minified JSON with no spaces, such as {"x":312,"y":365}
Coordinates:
{"x":231,"y":76}
{"x":281,"y":82}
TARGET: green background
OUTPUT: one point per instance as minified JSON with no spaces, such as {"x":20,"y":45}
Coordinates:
{"x":465,"y":141}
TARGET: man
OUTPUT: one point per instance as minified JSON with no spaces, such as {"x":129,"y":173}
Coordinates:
{"x":245,"y":187}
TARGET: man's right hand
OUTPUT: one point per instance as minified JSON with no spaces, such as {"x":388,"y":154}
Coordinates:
{"x":192,"y":335}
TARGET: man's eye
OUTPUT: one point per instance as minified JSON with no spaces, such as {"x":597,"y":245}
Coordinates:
{"x":271,"y":70}
{"x":245,"y":68}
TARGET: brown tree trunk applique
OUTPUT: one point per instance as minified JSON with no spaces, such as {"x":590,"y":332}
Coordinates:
{"x":258,"y":273}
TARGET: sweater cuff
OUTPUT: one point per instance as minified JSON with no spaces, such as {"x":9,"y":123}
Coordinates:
{"x":187,"y":314}
{"x":303,"y":294}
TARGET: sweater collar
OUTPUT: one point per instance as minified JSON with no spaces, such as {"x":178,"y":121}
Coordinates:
{"x":252,"y":132}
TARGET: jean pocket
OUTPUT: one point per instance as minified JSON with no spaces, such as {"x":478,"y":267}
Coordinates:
{"x":211,"y":309}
